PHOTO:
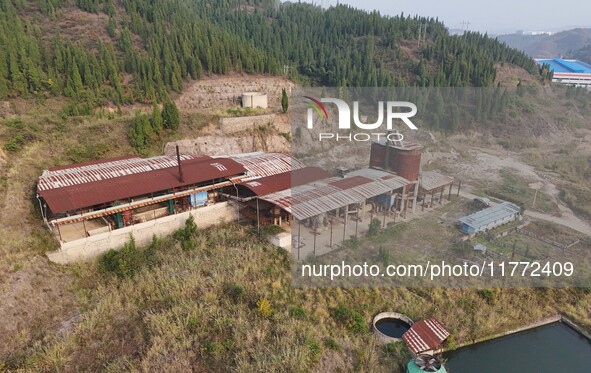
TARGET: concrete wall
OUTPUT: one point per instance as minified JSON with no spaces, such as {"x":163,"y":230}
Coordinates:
{"x":240,"y":124}
{"x":254,"y":100}
{"x":282,"y":240}
{"x":93,"y":246}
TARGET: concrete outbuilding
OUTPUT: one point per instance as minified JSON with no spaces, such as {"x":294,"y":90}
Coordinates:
{"x":254,"y":100}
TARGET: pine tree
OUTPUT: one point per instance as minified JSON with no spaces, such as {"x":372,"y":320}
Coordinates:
{"x":156,"y":119}
{"x":111,"y":27}
{"x":170,"y":115}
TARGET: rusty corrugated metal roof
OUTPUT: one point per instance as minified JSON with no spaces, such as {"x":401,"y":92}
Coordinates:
{"x":321,"y":196}
{"x":88,"y":172}
{"x":285,"y":180}
{"x":259,"y":164}
{"x":432,"y":180}
{"x":82,"y":186}
{"x":388,"y":178}
{"x":425,"y":335}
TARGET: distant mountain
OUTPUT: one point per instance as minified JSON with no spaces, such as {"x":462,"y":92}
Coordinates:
{"x":583,"y":54}
{"x":548,"y":46}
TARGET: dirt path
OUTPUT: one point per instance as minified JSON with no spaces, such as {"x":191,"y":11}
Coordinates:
{"x":569,"y":221}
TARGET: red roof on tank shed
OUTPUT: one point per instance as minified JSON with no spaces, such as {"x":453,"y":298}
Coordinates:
{"x":425,"y":335}
{"x":285,"y":180}
{"x":98,"y":183}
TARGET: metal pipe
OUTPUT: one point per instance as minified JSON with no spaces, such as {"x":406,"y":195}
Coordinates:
{"x":178,"y":158}
{"x":43,"y":214}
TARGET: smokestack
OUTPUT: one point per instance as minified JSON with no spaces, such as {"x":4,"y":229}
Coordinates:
{"x":178,"y":159}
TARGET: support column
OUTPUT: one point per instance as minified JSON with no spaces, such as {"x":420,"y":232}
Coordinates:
{"x":299,"y":238}
{"x":119,"y":219}
{"x":362,"y":207}
{"x":357,"y":217}
{"x":441,"y":196}
{"x":403,"y":202}
{"x":346,"y":209}
{"x":459,"y":185}
{"x":449,"y":195}
{"x":414,"y":198}
{"x":331,"y":233}
{"x":258,"y":219}
{"x":315,"y":233}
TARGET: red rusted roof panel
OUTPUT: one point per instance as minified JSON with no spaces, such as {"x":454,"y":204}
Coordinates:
{"x":95,"y":187}
{"x":285,"y":180}
{"x":425,"y":335}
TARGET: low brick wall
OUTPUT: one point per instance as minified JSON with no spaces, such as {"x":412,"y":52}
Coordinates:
{"x":95,"y":245}
{"x":238,"y":124}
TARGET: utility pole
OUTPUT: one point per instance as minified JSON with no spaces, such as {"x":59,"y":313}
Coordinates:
{"x":465,"y":25}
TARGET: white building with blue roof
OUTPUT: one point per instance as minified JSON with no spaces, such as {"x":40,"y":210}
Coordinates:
{"x":571,"y":72}
{"x":490,"y":218}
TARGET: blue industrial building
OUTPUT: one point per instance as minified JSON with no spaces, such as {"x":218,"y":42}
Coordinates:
{"x":489,"y":218}
{"x":571,"y":72}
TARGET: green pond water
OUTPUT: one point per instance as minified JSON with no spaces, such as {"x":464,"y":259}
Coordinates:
{"x":553,"y":348}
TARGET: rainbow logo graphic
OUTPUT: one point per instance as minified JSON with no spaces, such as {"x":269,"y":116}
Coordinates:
{"x":317,"y":106}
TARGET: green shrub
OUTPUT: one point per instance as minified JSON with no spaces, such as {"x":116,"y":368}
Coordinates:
{"x":233,"y":291}
{"x":332,"y":344}
{"x":210,"y":347}
{"x":15,"y":143}
{"x":394,"y":348}
{"x":297,"y":313}
{"x":486,"y":294}
{"x":314,"y":348}
{"x":374,"y":227}
{"x":351,"y":319}
{"x":123,"y":263}
{"x":129,"y":260}
{"x":186,"y":235}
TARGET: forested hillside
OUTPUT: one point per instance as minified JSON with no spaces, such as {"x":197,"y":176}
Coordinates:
{"x":146,"y":49}
{"x":583,"y":54}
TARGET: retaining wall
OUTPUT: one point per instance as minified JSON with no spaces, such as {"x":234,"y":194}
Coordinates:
{"x":95,"y":245}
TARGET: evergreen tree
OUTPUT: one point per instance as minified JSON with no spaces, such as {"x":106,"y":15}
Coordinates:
{"x":170,"y":115}
{"x":156,"y":119}
{"x":111,"y":27}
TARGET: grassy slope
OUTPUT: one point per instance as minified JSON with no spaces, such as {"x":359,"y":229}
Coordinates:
{"x":184,"y":312}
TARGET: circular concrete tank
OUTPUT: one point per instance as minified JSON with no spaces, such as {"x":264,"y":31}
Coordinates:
{"x":390,"y":326}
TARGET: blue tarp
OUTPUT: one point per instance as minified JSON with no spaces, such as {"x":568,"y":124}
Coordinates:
{"x":198,"y":199}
